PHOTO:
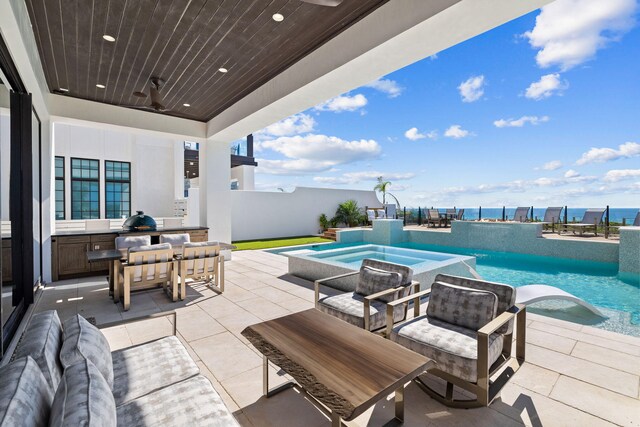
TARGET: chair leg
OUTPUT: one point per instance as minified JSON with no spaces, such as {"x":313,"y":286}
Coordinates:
{"x":127,"y":290}
{"x":174,"y":282}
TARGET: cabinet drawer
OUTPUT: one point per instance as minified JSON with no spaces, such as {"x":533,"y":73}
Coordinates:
{"x":73,"y":239}
{"x":198,"y":236}
{"x":97,"y":238}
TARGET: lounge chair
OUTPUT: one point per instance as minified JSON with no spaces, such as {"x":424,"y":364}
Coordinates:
{"x":451,"y":213}
{"x":521,"y":214}
{"x":551,"y":217}
{"x":371,"y":215}
{"x":636,"y":222}
{"x":381,"y":214}
{"x":468,"y":331}
{"x":591,"y":220}
{"x":433,"y":217}
{"x":460,"y":215}
{"x":534,"y":293}
{"x":378,"y":283}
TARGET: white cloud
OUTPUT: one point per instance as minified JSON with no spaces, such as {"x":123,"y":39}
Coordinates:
{"x":292,"y":167}
{"x":620,"y":174}
{"x":388,"y":86}
{"x":356,"y":177}
{"x":570,"y":32}
{"x":548,"y":85}
{"x":472,"y":89}
{"x":413,"y":134}
{"x":456,"y":131}
{"x":571,"y":174}
{"x":343,"y":103}
{"x":601,"y":155}
{"x":518,"y":123}
{"x":551,"y":166}
{"x":298,"y":123}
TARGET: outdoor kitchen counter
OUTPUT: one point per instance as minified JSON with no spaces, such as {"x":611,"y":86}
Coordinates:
{"x":69,"y":248}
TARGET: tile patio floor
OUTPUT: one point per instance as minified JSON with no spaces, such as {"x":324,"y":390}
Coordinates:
{"x":574,"y":375}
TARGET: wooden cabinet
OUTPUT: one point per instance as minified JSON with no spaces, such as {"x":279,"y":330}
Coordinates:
{"x":71,"y":255}
{"x":6,"y":260}
{"x":198,"y":235}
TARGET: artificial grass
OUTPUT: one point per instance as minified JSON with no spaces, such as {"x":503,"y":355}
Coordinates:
{"x":278,"y":243}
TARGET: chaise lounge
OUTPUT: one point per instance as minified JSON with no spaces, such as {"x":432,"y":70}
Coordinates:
{"x":590,"y":220}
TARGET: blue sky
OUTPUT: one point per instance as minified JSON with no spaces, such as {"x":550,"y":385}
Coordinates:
{"x":544,"y":110}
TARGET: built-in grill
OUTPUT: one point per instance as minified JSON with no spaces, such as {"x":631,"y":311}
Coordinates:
{"x":139,"y":222}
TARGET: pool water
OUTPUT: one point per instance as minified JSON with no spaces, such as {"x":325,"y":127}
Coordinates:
{"x":352,"y":257}
{"x":595,"y":282}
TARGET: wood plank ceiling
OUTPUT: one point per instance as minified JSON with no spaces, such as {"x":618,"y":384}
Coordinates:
{"x":183,"y":42}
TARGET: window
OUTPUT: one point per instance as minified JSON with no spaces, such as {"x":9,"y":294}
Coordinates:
{"x":85,"y":189}
{"x":59,"y":187}
{"x":117,"y":189}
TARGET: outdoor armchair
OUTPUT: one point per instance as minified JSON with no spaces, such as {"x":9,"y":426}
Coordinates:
{"x":379,"y":283}
{"x":590,"y":220}
{"x":433,"y":217}
{"x":371,"y":215}
{"x":201,"y":261}
{"x":468,"y":331}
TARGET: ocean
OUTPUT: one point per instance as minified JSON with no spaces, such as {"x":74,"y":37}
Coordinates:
{"x":615,"y":214}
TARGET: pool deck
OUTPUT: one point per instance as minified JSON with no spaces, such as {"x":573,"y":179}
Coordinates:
{"x":574,"y":375}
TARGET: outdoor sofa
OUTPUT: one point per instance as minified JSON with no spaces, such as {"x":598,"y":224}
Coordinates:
{"x":64,"y":374}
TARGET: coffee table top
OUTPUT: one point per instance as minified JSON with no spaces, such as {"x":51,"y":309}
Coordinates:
{"x":344,"y":367}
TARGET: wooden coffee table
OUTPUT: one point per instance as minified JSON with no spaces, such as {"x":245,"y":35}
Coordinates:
{"x":345,"y":368}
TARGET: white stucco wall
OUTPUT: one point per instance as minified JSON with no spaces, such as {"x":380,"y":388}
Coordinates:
{"x":261,"y":214}
{"x":155,"y":170}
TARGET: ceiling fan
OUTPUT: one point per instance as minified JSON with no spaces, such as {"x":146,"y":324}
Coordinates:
{"x":331,"y":3}
{"x":157,"y":103}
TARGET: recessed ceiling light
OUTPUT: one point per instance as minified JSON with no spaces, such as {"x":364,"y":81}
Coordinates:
{"x":187,"y":105}
{"x":62,"y":89}
{"x":278,"y":17}
{"x":100,"y":86}
{"x":222,"y":70}
{"x":109,"y":38}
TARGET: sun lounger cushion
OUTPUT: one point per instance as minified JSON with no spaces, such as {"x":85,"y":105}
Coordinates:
{"x":42,"y":341}
{"x":25,"y":395}
{"x":193,"y":402}
{"x":83,"y":398}
{"x":145,"y":368}
{"x":506,"y":294}
{"x":373,"y":280}
{"x":350,"y":308}
{"x":466,"y":307}
{"x":82,"y":340}
{"x":454,"y":348}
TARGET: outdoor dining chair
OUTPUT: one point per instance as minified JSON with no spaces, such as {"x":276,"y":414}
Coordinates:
{"x":147,"y":267}
{"x":176,"y":241}
{"x":468,"y":331}
{"x":378,"y":282}
{"x":201,"y":261}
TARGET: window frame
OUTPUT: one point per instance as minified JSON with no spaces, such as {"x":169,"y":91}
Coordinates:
{"x":81,"y":180}
{"x":64,"y":190}
{"x":119,"y":181}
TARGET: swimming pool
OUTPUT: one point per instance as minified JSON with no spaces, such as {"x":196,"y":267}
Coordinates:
{"x":353,"y":256}
{"x":596,"y":282}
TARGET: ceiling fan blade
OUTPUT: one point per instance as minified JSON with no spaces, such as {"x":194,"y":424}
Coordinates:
{"x":330,"y":3}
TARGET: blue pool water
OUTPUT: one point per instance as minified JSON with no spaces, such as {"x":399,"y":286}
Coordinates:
{"x":595,"y":282}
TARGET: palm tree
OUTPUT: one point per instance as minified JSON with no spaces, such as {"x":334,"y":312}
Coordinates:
{"x":348,"y":213}
{"x":381,"y":186}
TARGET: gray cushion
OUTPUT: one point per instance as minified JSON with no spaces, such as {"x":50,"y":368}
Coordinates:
{"x":82,"y":340}
{"x":405,"y":272}
{"x":176,"y":240}
{"x":373,"y":280}
{"x":42,"y":341}
{"x":124,"y":242}
{"x":466,"y":307}
{"x":145,"y":368}
{"x":506,"y":294}
{"x":25,"y":396}
{"x":193,"y":402}
{"x":454,"y":348}
{"x":350,"y":308}
{"x":83,"y":398}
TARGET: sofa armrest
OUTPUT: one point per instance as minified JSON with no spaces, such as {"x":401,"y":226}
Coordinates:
{"x":323,"y":282}
{"x":142,"y":319}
